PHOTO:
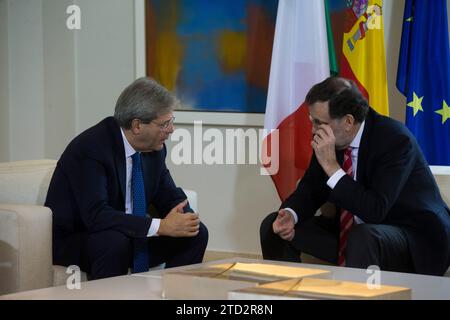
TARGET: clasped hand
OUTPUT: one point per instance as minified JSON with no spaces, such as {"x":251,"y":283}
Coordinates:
{"x":179,"y":224}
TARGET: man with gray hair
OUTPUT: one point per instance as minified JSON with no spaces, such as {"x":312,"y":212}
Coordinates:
{"x":105,"y":182}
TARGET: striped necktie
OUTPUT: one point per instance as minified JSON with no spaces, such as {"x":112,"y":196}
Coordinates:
{"x":346,"y":218}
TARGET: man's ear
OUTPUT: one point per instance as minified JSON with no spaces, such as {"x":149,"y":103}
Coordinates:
{"x":349,"y":121}
{"x":136,"y":126}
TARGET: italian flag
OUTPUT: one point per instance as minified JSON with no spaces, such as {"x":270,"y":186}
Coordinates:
{"x":299,"y":60}
{"x":303,"y":55}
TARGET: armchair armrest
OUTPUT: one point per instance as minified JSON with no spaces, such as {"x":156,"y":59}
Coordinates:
{"x":192,"y":198}
{"x":442,"y":176}
{"x":25,"y":247}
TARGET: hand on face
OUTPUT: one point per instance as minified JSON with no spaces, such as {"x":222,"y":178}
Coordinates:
{"x":284,"y":225}
{"x":324,"y":146}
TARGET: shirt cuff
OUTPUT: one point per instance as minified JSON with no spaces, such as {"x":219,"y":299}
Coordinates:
{"x":334,"y":179}
{"x":293,"y":214}
{"x":154,"y":227}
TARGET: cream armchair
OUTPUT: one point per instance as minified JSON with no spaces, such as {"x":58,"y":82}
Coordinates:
{"x":26,"y":227}
{"x":442,"y":175}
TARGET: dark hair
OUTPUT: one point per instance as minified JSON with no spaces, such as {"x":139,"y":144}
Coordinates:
{"x":343,"y":97}
{"x":144,"y":99}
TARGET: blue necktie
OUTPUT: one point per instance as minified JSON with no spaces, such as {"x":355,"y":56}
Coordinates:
{"x":141,"y":258}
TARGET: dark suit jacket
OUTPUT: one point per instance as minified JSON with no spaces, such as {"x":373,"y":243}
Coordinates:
{"x":87,"y":190}
{"x":394,"y":186}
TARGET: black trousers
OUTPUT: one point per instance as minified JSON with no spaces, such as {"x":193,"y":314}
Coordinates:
{"x":384,"y":246}
{"x":110,"y":253}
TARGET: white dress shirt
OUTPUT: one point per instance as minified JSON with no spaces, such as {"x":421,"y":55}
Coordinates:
{"x":129,"y":151}
{"x":334,"y":179}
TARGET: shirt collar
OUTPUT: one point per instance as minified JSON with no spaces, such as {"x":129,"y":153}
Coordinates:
{"x":129,"y":150}
{"x":357,"y":140}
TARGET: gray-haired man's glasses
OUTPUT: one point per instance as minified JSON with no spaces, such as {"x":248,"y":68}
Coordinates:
{"x":165,"y":124}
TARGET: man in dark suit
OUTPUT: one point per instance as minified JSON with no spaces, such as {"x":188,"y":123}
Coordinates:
{"x":390,"y":211}
{"x":107,"y":174}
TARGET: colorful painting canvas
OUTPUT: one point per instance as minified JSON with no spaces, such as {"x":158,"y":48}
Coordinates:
{"x":213,"y":54}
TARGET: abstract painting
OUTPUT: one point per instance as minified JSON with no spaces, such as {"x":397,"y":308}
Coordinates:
{"x":213,"y":54}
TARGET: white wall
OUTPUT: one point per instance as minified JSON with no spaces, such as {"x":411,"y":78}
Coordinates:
{"x":4,"y":83}
{"x":26,"y":91}
{"x":59,"y":78}
{"x":55,"y":82}
{"x":393,"y":17}
{"x":105,"y":57}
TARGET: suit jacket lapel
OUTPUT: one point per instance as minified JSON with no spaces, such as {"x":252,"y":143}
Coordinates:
{"x":364,"y":146}
{"x":121,"y":171}
{"x":119,"y":158}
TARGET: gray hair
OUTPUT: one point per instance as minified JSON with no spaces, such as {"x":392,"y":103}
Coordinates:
{"x":144,"y":99}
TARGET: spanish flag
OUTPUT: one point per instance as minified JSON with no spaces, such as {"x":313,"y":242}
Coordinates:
{"x":358,"y":26}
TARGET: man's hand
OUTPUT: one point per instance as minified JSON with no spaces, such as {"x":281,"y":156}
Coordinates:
{"x":284,"y":225}
{"x":324,"y":146}
{"x":179,"y":224}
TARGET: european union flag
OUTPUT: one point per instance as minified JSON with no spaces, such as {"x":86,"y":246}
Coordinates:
{"x":424,"y":77}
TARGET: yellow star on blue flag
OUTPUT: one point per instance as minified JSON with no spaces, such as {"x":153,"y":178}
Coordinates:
{"x":423,"y":76}
{"x":444,"y":112}
{"x":416,"y":104}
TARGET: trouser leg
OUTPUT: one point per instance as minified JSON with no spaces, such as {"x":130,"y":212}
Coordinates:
{"x":108,"y":253}
{"x":178,"y":251}
{"x":384,"y":246}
